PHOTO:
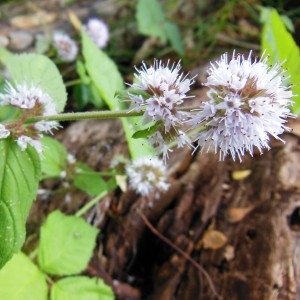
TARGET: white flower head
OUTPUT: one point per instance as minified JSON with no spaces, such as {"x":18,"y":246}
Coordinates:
{"x":163,"y":89}
{"x":27,"y":97}
{"x":248,"y":102}
{"x":98,"y":31}
{"x":147,"y":175}
{"x":32,"y":101}
{"x":21,"y":95}
{"x":24,"y":140}
{"x":159,"y":90}
{"x":67,"y":49}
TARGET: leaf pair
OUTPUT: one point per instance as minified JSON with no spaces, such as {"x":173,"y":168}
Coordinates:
{"x":66,"y":245}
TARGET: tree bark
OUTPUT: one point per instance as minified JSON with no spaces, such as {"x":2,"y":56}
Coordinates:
{"x":242,"y":228}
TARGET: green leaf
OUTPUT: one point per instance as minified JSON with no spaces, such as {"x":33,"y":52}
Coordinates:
{"x":173,"y":35}
{"x":40,"y":70}
{"x":20,"y":279}
{"x":138,"y":147}
{"x":66,"y":244}
{"x":90,"y":182}
{"x":280,"y":45}
{"x":81,"y":288}
{"x":145,"y":132}
{"x":96,"y":98}
{"x":19,"y":177}
{"x":103,"y":72}
{"x":54,"y":157}
{"x":150,"y":19}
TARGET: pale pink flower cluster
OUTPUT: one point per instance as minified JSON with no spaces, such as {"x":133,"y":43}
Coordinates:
{"x":147,"y":175}
{"x":33,"y":102}
{"x":248,"y":102}
{"x":66,"y":47}
{"x":159,"y":91}
{"x":98,"y":31}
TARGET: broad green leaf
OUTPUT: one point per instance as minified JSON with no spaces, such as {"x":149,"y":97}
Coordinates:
{"x":20,"y":279}
{"x":54,"y":157}
{"x":103,"y":72}
{"x":90,"y":182}
{"x":150,"y":19}
{"x":19,"y":177}
{"x":280,"y":45}
{"x":111,"y":184}
{"x":96,"y":98}
{"x":173,"y":35}
{"x":66,"y":244}
{"x":81,"y":288}
{"x":108,"y":80}
{"x":40,"y":70}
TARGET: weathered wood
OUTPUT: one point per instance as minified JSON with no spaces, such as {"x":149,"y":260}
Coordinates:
{"x":264,"y":239}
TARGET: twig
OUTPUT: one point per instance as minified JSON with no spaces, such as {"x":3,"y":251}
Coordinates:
{"x":184,"y":254}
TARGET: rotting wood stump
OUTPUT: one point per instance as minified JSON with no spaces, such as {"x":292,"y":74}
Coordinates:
{"x":239,"y":222}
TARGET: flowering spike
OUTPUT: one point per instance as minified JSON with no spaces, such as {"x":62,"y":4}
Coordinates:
{"x":147,"y":175}
{"x":98,"y":31}
{"x":162,"y":90}
{"x":33,"y":102}
{"x":67,"y":49}
{"x":248,"y":102}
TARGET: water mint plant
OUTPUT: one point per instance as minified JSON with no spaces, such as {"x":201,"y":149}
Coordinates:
{"x":248,"y":102}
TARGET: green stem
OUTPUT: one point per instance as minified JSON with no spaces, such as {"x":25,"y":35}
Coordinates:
{"x":73,"y":82}
{"x":90,"y":204}
{"x":33,"y":254}
{"x":104,"y":114}
{"x":107,"y":114}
